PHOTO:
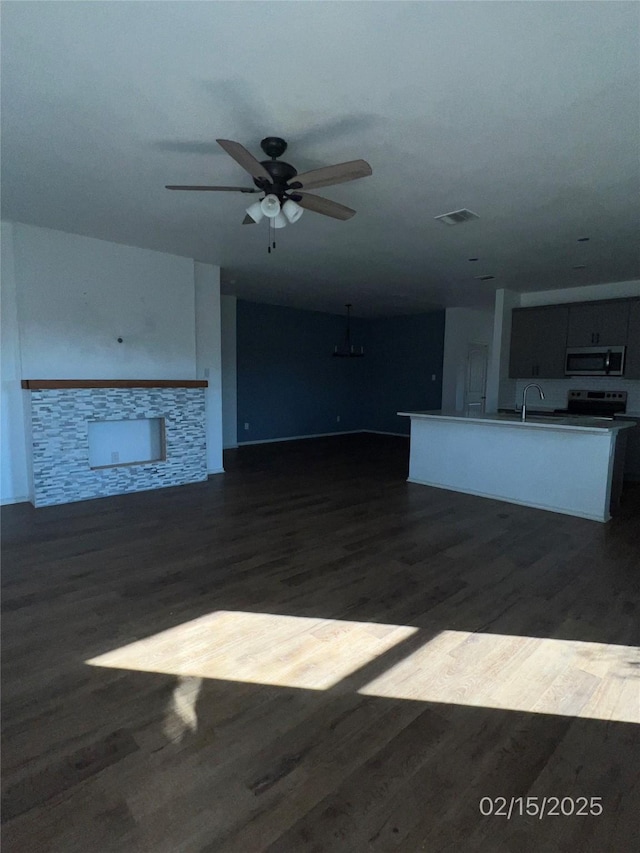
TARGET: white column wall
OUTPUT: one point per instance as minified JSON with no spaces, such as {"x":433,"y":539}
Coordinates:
{"x":14,"y":477}
{"x":209,"y":356}
{"x":506,"y":301}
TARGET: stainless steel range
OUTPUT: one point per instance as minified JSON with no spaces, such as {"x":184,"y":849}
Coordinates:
{"x":595,"y":404}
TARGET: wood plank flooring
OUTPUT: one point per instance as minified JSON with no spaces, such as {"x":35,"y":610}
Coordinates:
{"x":310,"y":654}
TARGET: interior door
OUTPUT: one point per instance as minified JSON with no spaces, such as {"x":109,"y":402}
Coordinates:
{"x":476,"y":384}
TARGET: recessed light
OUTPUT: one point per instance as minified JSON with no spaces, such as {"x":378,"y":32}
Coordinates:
{"x":457,"y":217}
{"x":483,"y":277}
{"x":583,"y":239}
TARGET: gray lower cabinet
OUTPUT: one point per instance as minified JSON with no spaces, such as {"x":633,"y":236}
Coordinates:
{"x":538,"y":342}
{"x":632,"y":368}
{"x":598,"y":323}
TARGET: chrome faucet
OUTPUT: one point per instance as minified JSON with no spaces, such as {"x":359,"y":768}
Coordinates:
{"x":524,"y":397}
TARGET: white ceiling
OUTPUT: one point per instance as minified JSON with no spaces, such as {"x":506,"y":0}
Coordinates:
{"x":527,"y":113}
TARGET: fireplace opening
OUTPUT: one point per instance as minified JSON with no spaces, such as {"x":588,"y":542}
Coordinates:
{"x":113,"y":444}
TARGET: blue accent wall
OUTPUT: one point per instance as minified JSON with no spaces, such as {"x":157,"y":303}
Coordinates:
{"x":289,"y":385}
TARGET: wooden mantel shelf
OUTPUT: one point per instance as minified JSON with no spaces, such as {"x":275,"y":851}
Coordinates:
{"x":49,"y":384}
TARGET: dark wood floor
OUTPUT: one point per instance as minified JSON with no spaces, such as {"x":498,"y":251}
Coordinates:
{"x":310,"y":654}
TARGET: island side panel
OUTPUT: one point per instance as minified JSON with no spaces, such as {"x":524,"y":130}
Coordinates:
{"x":558,"y":470}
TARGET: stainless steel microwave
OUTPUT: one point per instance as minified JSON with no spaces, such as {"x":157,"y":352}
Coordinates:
{"x":594,"y":361}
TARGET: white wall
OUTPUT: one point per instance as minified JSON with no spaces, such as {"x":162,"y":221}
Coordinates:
{"x":14,"y":478}
{"x":66,"y":300}
{"x":77,"y":295}
{"x":209,"y":356}
{"x":463,"y":326}
{"x":229,"y":373}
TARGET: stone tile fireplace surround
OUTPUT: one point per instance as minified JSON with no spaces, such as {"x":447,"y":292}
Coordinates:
{"x":61,"y":411}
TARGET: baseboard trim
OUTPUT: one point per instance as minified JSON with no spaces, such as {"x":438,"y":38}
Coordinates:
{"x":322,"y":435}
{"x":216,"y":471}
{"x":20,"y":500}
{"x":561,"y":510}
{"x":298,"y":437}
{"x":383,"y":432}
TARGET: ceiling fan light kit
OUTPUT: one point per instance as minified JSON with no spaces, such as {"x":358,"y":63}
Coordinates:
{"x":285,"y":198}
{"x":270,"y":206}
{"x":254,"y":211}
{"x":292,"y":210}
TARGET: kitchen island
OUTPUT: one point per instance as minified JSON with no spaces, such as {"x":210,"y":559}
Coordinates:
{"x":568,"y":465}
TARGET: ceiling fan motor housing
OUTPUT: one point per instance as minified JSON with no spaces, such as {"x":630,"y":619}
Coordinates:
{"x":281,"y":173}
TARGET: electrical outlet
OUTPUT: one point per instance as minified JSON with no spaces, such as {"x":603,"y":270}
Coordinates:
{"x":115,"y":457}
{"x":246,"y":426}
{"x":338,"y":419}
{"x":433,"y":377}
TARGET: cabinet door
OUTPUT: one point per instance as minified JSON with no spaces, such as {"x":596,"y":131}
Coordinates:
{"x":521,"y":361}
{"x":551,"y":341}
{"x":538,"y":342}
{"x":594,"y":324}
{"x":632,"y":369}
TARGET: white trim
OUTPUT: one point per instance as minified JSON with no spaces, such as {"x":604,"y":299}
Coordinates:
{"x":229,"y":446}
{"x":501,"y":498}
{"x":382,"y":432}
{"x":20,"y":500}
{"x":299,"y":437}
{"x":214,"y":471}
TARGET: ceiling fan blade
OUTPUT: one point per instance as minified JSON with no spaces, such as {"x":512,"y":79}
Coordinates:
{"x":213,"y":189}
{"x":325,"y":206}
{"x":329,"y":175}
{"x":244,"y":159}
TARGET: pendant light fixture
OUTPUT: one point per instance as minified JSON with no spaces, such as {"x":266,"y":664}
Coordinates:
{"x":347,"y":349}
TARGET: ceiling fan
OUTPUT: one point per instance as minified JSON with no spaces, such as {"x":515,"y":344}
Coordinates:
{"x":285,"y":196}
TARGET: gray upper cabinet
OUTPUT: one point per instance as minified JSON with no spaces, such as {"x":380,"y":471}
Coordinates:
{"x":632,"y":369}
{"x":593,"y":324}
{"x":538,"y":342}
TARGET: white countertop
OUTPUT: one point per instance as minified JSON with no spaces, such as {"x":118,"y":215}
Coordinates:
{"x":575,"y":424}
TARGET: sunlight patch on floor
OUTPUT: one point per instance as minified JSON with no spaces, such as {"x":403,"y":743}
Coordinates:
{"x":533,"y":674}
{"x":509,"y":672}
{"x":260,"y":648}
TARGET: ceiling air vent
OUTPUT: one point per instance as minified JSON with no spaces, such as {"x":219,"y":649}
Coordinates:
{"x":484,"y":277}
{"x":457,"y":217}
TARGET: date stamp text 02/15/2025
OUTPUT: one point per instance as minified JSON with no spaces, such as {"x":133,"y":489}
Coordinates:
{"x":540,"y":807}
